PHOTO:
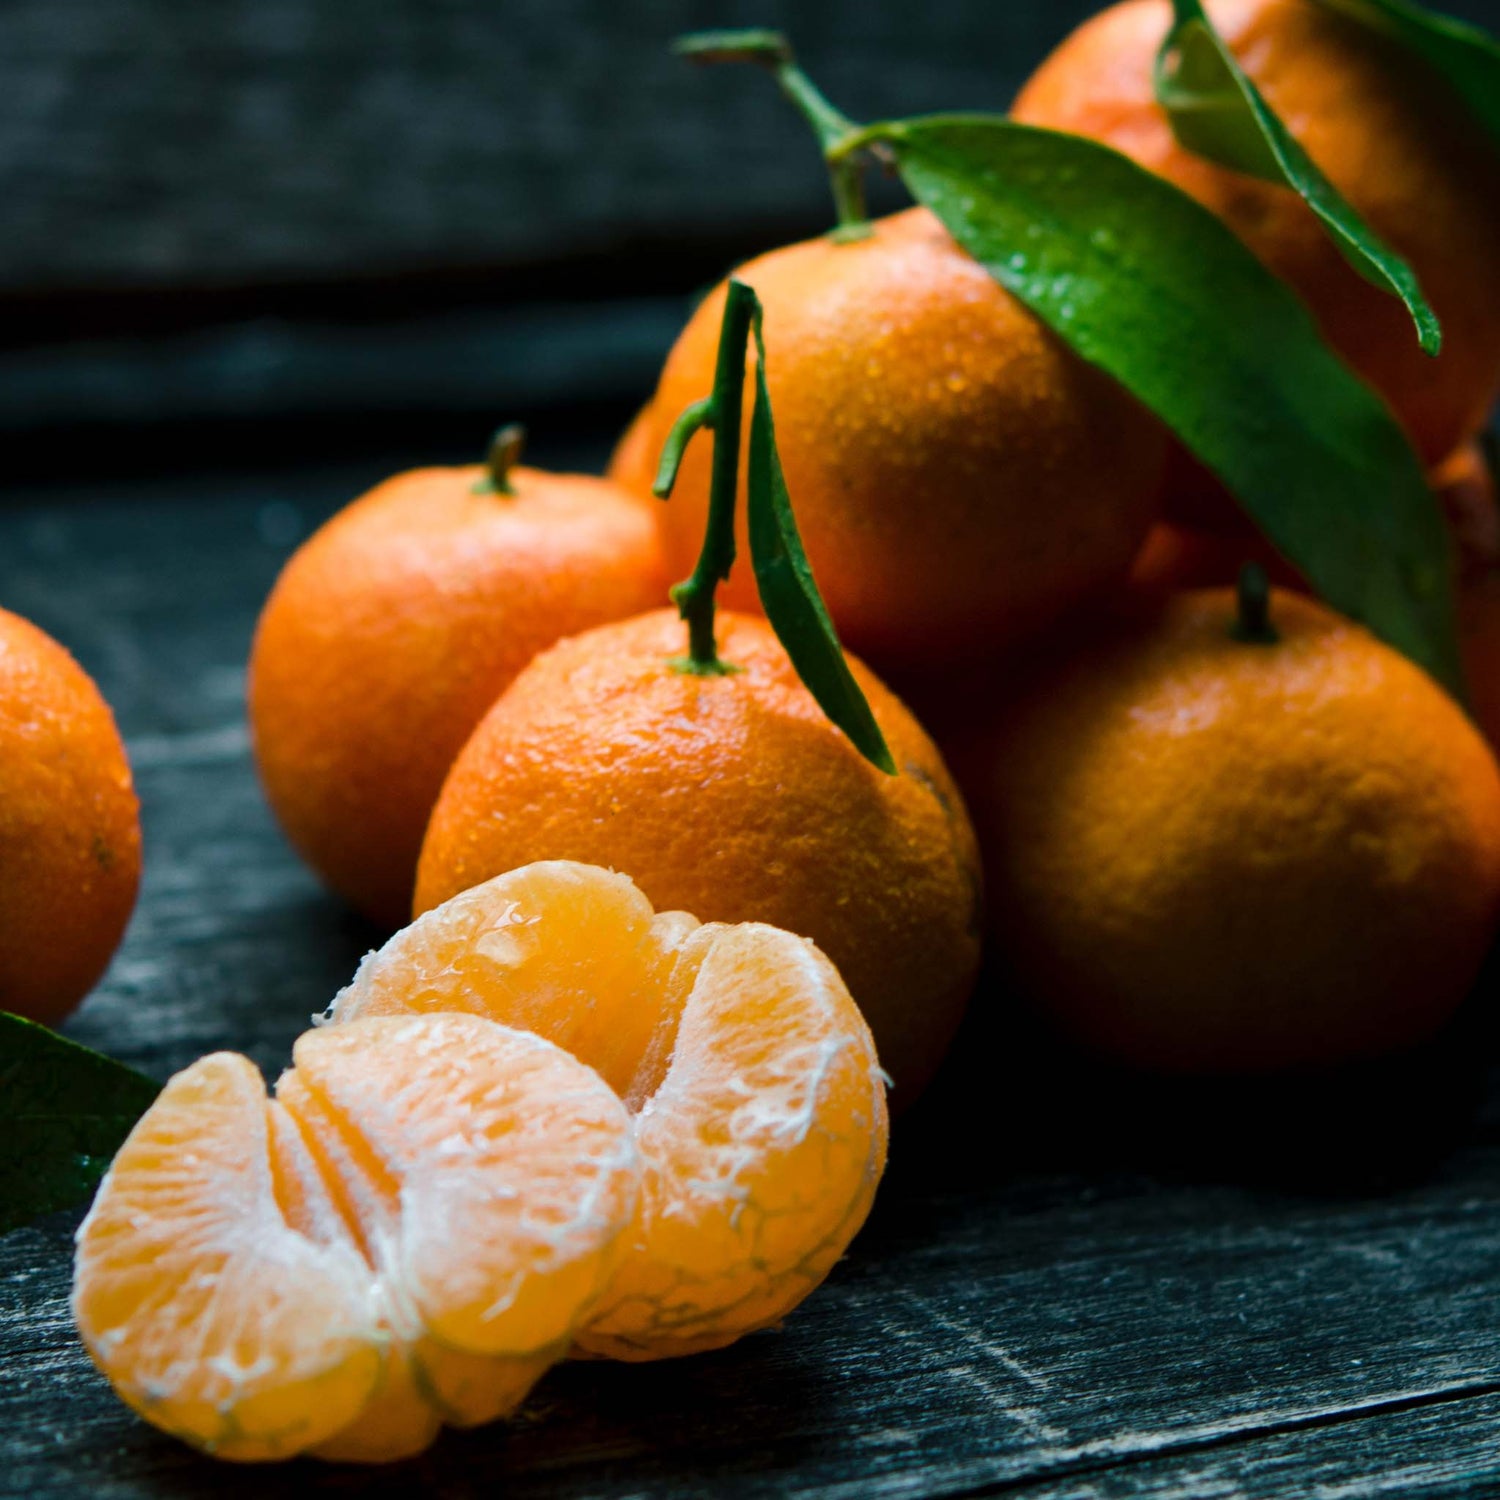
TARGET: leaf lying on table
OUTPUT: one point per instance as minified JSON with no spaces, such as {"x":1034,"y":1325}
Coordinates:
{"x":1217,"y":112}
{"x":1468,"y":58}
{"x":64,"y":1110}
{"x":1147,"y":284}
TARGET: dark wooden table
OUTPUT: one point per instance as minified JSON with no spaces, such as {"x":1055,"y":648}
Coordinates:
{"x":1073,"y":1285}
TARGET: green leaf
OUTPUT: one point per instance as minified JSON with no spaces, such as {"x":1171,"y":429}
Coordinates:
{"x":1217,"y":112}
{"x":64,"y":1111}
{"x":788,"y":593}
{"x":1151,"y":287}
{"x":1468,"y":58}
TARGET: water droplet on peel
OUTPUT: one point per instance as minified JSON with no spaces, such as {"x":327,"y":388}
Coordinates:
{"x":956,"y":383}
{"x":1017,"y":262}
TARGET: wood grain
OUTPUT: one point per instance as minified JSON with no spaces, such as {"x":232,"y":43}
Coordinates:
{"x":1050,"y":1300}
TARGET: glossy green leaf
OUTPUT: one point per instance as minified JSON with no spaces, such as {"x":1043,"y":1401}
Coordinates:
{"x":1148,"y":285}
{"x":1217,"y":112}
{"x":64,"y":1110}
{"x":1468,"y":58}
{"x":788,"y":593}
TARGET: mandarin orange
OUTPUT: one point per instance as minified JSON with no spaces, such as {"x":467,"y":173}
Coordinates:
{"x":1207,"y":853}
{"x":960,"y":477}
{"x":396,"y":625}
{"x":70,"y":833}
{"x":1387,"y":133}
{"x":735,"y":798}
{"x":759,"y":1102}
{"x":408,"y":1234}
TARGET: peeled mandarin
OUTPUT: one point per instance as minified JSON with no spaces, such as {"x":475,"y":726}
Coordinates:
{"x":408,"y":1234}
{"x":760,"y":1105}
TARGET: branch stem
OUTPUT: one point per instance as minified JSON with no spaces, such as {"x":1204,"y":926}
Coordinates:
{"x":694,"y":596}
{"x":772,"y":51}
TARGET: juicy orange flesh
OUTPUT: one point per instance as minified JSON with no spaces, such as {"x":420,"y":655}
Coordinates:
{"x":568,"y":951}
{"x":407,"y":1234}
{"x":760,"y":1105}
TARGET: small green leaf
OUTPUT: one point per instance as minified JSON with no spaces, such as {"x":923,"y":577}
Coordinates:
{"x":64,"y":1111}
{"x":1151,"y":287}
{"x":788,"y":593}
{"x":1217,"y":112}
{"x":1468,"y":58}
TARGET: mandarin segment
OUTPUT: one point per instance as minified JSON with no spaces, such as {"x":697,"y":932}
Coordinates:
{"x":761,"y":1106}
{"x":763,"y":1146}
{"x":467,"y":1135}
{"x":210,"y":1315}
{"x":572,"y":953}
{"x":408,"y":1234}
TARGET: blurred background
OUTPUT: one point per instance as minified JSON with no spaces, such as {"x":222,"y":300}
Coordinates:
{"x":244,"y":230}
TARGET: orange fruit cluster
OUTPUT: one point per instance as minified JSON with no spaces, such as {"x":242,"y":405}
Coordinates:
{"x":1219,"y":832}
{"x":542,"y":1117}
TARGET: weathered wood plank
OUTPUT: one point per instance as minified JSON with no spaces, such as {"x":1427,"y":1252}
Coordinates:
{"x":1044,"y":1303}
{"x":148,"y":142}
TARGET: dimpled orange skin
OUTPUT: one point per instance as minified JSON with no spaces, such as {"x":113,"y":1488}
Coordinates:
{"x":736,"y":799}
{"x":960,"y":478}
{"x":397,"y":624}
{"x":1208,"y":856}
{"x":70,"y":833}
{"x":1388,"y":135}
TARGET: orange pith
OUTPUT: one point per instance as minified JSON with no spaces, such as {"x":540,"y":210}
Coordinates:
{"x":760,"y":1106}
{"x":1388,"y":134}
{"x":70,"y":835}
{"x":960,"y":478}
{"x":734,"y":798}
{"x":1213,"y":855}
{"x":408,"y":1233}
{"x":395,"y":626}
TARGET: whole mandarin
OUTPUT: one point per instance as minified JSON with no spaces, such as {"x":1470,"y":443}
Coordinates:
{"x":732,"y":797}
{"x":1388,"y":134}
{"x":70,"y":833}
{"x":1209,"y":854}
{"x":397,"y":624}
{"x":960,"y":477}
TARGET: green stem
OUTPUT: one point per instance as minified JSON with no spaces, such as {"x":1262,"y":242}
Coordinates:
{"x":694,"y":596}
{"x":1253,"y":618}
{"x":772,"y":51}
{"x":504,"y":454}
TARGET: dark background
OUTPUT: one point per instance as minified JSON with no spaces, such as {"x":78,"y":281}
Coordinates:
{"x":244,"y":230}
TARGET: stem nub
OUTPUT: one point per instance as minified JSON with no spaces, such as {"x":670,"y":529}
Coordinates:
{"x":772,"y":51}
{"x":1253,"y":617}
{"x":503,"y":455}
{"x":694,"y":596}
